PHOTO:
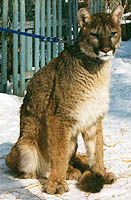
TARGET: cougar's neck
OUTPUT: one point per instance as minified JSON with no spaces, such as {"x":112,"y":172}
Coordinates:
{"x":92,"y":64}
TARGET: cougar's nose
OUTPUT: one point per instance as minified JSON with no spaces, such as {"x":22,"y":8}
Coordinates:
{"x":105,"y":50}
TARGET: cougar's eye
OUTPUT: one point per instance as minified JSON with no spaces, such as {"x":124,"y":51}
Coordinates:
{"x":94,"y":35}
{"x":113,"y":34}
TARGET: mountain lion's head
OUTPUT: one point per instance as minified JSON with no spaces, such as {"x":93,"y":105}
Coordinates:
{"x":100,"y":34}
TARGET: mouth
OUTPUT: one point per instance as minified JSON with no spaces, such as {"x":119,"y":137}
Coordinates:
{"x":105,"y":56}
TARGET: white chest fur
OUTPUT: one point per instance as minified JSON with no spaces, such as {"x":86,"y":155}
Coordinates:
{"x":95,"y":107}
{"x":95,"y":102}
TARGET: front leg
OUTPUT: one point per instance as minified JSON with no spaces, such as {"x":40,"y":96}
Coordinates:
{"x":93,"y":181}
{"x":109,"y":177}
{"x":94,"y":148}
{"x":59,"y":139}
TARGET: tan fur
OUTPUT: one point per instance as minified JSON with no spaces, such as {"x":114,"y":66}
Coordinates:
{"x":68,"y":96}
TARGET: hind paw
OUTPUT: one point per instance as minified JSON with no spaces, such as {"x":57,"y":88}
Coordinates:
{"x":26,"y":176}
{"x":73,"y":174}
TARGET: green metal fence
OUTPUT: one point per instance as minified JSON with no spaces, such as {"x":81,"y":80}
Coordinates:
{"x":22,"y":56}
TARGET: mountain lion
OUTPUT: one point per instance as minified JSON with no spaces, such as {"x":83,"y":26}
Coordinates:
{"x":68,"y":96}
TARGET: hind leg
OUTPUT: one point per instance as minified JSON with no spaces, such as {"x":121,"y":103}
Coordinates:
{"x":26,"y":157}
{"x":27,"y":127}
{"x":12,"y":159}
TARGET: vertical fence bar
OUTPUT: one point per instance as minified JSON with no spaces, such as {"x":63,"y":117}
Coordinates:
{"x":94,"y":6}
{"x":15,"y":48}
{"x":42,"y":32}
{"x":54,"y":28}
{"x":60,"y":24}
{"x":75,"y":30}
{"x":48,"y":29}
{"x":90,"y":6}
{"x":37,"y":31}
{"x":4,"y":47}
{"x":69,"y":21}
{"x":64,"y":20}
{"x":100,"y":6}
{"x":22,"y":48}
{"x":28,"y":53}
{"x":76,"y":14}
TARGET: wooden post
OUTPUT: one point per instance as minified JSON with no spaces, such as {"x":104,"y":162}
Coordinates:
{"x":22,"y":48}
{"x":4,"y":47}
{"x":75,"y":25}
{"x":15,"y":48}
{"x":90,"y":6}
{"x":69,"y":21}
{"x":37,"y":31}
{"x":60,"y":24}
{"x":55,"y":52}
{"x":42,"y":5}
{"x":48,"y":29}
{"x":100,"y":6}
{"x":28,"y":53}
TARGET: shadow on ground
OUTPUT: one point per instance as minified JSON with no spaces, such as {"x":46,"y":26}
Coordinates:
{"x":11,"y":187}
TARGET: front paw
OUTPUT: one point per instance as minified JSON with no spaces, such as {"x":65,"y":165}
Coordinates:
{"x":55,"y":187}
{"x":109,"y":178}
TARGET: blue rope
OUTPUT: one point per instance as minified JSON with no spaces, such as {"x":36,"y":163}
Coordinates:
{"x":42,"y":38}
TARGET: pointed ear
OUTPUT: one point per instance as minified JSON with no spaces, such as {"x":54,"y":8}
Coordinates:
{"x":117,"y":14}
{"x":83,"y":16}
